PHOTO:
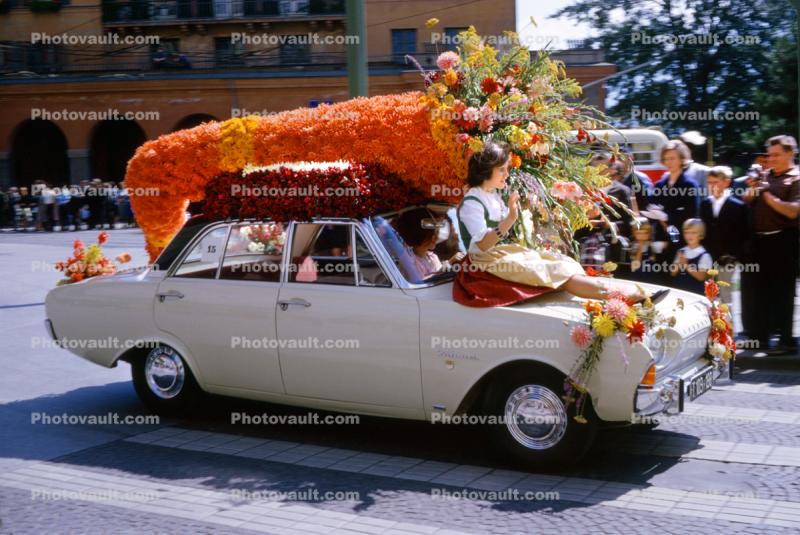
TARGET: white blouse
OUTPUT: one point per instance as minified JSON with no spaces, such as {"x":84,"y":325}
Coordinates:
{"x":472,"y":216}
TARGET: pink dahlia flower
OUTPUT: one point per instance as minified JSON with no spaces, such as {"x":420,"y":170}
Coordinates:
{"x":581,"y":336}
{"x":448,"y":60}
{"x":617,"y":309}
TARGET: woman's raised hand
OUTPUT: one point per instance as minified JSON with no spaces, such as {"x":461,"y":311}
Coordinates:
{"x":513,"y":205}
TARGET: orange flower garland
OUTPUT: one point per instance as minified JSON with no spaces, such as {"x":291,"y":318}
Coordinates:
{"x":391,"y":130}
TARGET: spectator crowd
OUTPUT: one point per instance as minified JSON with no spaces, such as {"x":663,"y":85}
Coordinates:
{"x":45,"y":207}
{"x":695,"y":219}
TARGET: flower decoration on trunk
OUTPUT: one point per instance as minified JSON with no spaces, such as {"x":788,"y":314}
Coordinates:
{"x":87,"y":262}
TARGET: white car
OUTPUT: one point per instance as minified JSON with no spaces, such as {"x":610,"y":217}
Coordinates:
{"x":287,"y":314}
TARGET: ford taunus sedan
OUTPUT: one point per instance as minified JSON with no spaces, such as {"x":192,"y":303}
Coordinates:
{"x":323,"y":315}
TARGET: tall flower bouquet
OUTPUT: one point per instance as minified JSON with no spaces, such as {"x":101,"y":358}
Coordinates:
{"x":480,"y":94}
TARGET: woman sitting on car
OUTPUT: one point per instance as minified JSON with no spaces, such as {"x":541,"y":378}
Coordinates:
{"x":485,"y":221}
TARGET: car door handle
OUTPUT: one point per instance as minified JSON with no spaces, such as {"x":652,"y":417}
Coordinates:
{"x":298,"y":302}
{"x":172,"y":294}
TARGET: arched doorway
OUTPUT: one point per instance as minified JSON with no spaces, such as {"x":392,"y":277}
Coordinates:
{"x":113,"y":144}
{"x":190,"y":121}
{"x":39,"y":152}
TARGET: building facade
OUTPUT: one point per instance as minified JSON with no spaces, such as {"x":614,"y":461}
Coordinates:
{"x":84,"y":83}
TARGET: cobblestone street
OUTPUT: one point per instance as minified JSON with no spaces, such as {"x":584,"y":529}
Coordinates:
{"x":729,"y":464}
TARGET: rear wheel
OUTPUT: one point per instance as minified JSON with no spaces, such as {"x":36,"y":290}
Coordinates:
{"x":534,"y":425}
{"x":165,"y":383}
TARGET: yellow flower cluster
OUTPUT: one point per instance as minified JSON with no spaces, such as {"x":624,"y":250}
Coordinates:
{"x":444,"y":134}
{"x":604,"y":325}
{"x":236,"y":142}
{"x":93,"y":254}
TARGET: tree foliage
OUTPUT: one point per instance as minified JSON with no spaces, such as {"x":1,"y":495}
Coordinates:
{"x":709,"y":56}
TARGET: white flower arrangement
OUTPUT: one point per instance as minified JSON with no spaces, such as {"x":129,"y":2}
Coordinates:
{"x":297,"y":166}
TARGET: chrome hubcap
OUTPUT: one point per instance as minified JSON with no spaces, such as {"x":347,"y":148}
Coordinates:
{"x":536,"y":417}
{"x":164,"y":372}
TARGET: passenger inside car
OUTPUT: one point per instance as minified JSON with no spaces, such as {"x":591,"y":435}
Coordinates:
{"x":420,"y":232}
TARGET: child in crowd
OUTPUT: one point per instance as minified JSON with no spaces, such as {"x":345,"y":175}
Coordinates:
{"x":692,"y":261}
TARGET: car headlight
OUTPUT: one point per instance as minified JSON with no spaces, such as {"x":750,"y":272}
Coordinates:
{"x":663,"y":348}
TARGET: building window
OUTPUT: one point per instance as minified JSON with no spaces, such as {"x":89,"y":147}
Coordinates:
{"x":451,"y":37}
{"x":22,"y":56}
{"x":261,"y":7}
{"x":165,"y":9}
{"x":166,"y":55}
{"x":294,"y":7}
{"x":295,"y":51}
{"x":403,"y":42}
{"x":226,"y":53}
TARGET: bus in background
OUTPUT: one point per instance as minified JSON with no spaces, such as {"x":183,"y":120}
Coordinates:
{"x":644,"y":145}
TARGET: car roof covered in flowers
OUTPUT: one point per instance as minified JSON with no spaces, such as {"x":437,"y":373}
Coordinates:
{"x":413,"y":144}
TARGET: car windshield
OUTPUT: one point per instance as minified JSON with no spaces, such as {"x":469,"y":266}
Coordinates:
{"x":422,"y":241}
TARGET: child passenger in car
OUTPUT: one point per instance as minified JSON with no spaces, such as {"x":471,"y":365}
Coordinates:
{"x":420,"y":241}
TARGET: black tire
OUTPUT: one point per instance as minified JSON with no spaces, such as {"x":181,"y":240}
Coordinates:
{"x":551,"y":447}
{"x":177,"y":400}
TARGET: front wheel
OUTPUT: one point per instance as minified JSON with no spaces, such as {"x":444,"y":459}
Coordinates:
{"x":165,"y":383}
{"x":533,"y":423}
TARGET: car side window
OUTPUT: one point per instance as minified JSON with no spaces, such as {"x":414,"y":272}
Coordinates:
{"x":203,"y":260}
{"x":254,"y":252}
{"x":370,"y":272}
{"x":322,"y":254}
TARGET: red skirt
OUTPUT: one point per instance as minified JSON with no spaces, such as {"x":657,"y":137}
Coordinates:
{"x":476,"y":288}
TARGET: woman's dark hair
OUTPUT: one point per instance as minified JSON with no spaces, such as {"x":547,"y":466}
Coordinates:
{"x":481,"y":164}
{"x":409,"y":226}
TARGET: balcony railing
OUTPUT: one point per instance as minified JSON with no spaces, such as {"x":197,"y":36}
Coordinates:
{"x":178,"y":10}
{"x":21,"y":60}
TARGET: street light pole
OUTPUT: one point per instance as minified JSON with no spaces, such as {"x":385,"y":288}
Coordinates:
{"x":357,"y":52}
{"x":796,"y":4}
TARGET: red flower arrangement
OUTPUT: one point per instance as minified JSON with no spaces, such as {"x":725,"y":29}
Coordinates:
{"x":87,"y":262}
{"x":489,"y":85}
{"x":721,"y":344}
{"x":362,"y":190}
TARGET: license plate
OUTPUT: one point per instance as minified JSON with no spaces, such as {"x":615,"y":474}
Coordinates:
{"x":700,"y":384}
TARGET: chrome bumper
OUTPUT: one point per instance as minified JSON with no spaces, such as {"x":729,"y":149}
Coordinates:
{"x":670,"y":393}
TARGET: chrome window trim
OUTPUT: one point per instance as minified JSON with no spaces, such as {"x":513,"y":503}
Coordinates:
{"x":358,"y":232}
